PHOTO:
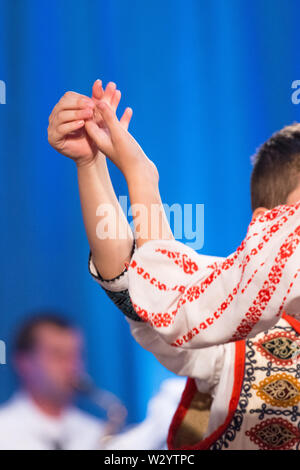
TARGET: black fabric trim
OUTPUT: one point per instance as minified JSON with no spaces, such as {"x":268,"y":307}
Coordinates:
{"x":121,"y":298}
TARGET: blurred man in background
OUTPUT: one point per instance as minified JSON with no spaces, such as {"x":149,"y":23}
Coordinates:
{"x":41,"y":416}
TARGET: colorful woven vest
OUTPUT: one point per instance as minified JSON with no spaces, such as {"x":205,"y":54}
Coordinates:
{"x":264,"y":410}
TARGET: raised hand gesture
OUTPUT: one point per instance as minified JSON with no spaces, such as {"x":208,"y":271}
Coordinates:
{"x":66,"y":130}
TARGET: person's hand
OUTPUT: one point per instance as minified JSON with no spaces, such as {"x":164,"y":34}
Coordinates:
{"x":66,"y":131}
{"x":113,"y":139}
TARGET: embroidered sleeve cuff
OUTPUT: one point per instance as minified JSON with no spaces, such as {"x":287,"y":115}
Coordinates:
{"x":116,"y":284}
{"x":116,"y":288}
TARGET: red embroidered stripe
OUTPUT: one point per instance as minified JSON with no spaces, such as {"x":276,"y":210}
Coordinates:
{"x":260,"y":303}
{"x":253,"y":315}
{"x":165,"y":319}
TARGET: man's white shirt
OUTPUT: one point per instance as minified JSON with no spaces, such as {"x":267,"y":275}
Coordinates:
{"x":23,"y":426}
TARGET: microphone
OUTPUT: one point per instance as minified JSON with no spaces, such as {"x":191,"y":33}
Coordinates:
{"x":116,"y":412}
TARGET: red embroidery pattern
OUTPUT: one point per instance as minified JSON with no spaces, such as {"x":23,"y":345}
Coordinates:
{"x":277,"y":211}
{"x":193,"y":293}
{"x":271,"y":215}
{"x":207,"y":322}
{"x":164,"y":319}
{"x":181,"y":259}
{"x":155,"y":319}
{"x":218,"y":267}
{"x":274,"y":434}
{"x":264,"y":295}
{"x":259,"y":304}
{"x":287,"y":292}
{"x":155,"y":282}
{"x":251,"y":278}
{"x":213,"y":265}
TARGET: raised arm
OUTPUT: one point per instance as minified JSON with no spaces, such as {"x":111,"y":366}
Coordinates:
{"x":67,"y":134}
{"x":191,"y":304}
{"x":108,"y":255}
{"x":140,"y":172}
{"x":100,"y":206}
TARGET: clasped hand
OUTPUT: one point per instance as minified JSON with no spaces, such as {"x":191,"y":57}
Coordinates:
{"x":85,"y":129}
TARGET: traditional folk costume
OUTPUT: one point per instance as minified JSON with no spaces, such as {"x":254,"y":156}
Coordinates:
{"x":231,"y":325}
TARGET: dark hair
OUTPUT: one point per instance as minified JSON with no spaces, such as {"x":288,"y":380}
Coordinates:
{"x":276,"y":171}
{"x":25,"y":340}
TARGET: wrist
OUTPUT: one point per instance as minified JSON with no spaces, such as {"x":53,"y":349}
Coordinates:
{"x":84,"y":162}
{"x":143,"y":169}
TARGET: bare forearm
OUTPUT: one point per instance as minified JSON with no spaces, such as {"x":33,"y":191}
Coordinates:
{"x":147,"y":209}
{"x":100,"y":205}
{"x":140,"y":173}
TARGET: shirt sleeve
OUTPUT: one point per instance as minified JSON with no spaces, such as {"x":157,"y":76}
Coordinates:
{"x":193,"y":301}
{"x":205,"y":365}
{"x":116,"y":289}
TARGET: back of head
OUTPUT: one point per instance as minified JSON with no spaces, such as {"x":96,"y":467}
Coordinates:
{"x":276,"y":168}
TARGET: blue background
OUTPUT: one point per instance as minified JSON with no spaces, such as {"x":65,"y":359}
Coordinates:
{"x":208,"y":81}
